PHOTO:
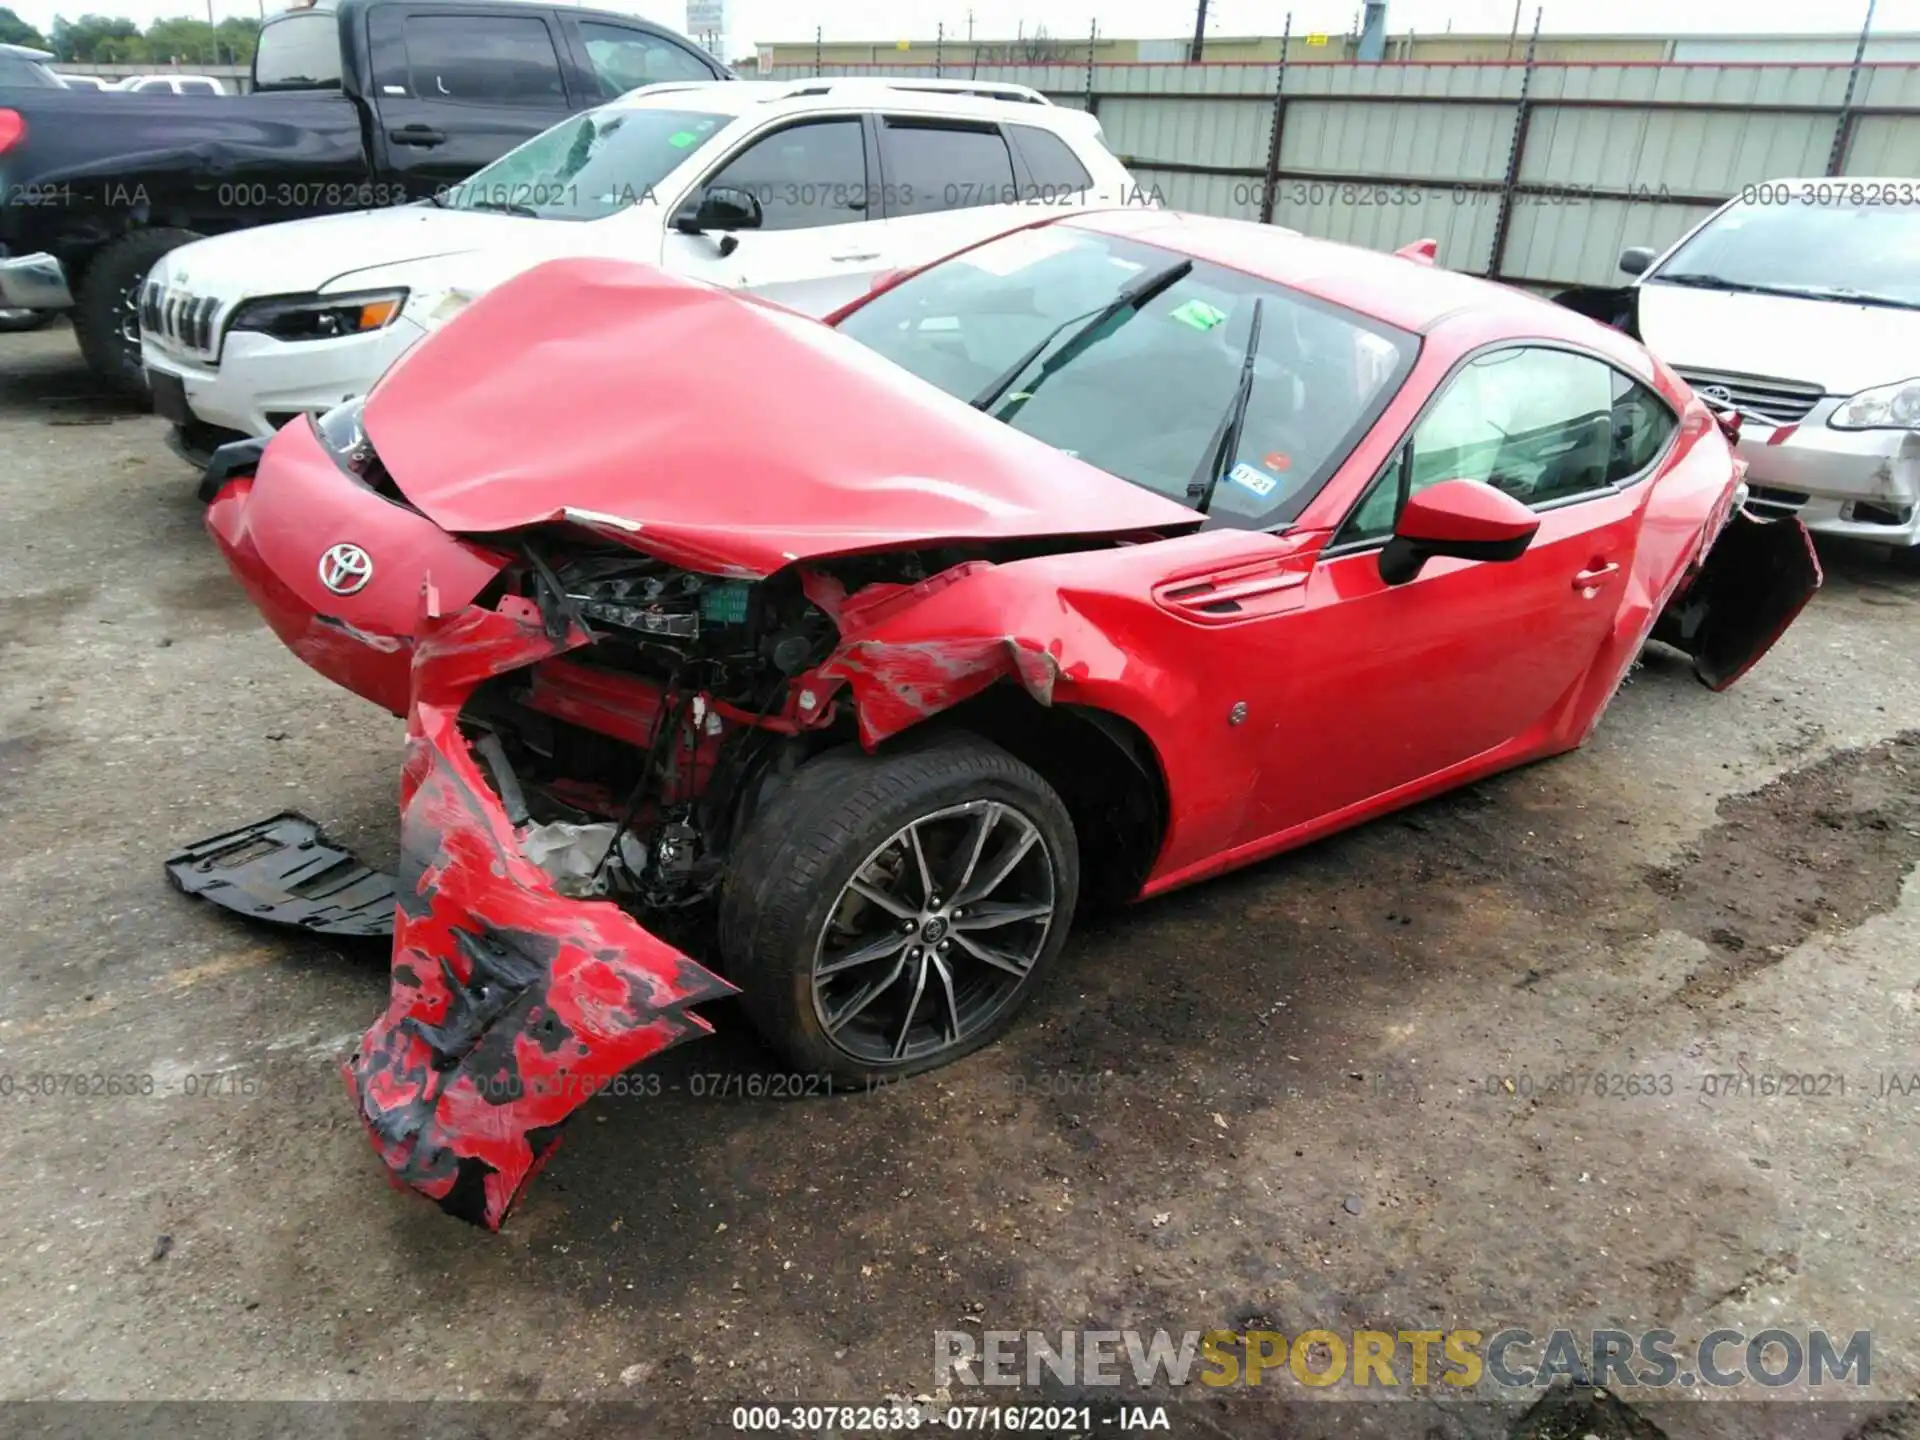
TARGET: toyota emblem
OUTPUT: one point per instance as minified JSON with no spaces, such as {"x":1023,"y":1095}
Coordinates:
{"x":1719,"y":394}
{"x":346,"y":569}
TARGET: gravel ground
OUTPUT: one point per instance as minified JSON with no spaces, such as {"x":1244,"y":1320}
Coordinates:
{"x":1313,"y":1094}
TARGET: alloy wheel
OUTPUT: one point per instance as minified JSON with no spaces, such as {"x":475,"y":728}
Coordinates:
{"x":935,"y":933}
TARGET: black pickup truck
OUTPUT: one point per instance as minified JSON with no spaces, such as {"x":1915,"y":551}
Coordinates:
{"x":354,"y":104}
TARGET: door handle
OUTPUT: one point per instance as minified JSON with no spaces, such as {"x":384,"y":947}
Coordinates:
{"x":424,"y":136}
{"x":1587,"y":579}
{"x":852,"y":255}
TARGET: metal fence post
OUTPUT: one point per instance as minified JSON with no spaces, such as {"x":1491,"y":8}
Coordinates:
{"x":939,"y":48}
{"x":1523,"y":113}
{"x":1843,"y":129}
{"x":819,"y":49}
{"x":1279,"y":125}
{"x":1093,"y":38}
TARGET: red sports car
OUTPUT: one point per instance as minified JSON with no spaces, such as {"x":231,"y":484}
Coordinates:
{"x":1108,"y":555}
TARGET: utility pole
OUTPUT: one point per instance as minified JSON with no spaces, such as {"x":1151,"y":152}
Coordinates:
{"x":975,"y":74}
{"x":819,"y":48}
{"x":1199,"y":34}
{"x":1513,"y":35}
{"x":939,"y":49}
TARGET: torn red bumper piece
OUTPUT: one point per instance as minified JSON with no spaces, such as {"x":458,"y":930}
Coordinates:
{"x":511,"y":1005}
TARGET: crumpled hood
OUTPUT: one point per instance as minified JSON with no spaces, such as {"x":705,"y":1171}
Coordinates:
{"x":300,"y":256}
{"x":713,"y":430}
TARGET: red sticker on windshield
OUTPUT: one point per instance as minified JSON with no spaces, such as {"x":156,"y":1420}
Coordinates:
{"x":1276,"y":460}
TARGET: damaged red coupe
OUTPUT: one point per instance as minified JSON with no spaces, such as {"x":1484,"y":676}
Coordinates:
{"x":1103,"y":557}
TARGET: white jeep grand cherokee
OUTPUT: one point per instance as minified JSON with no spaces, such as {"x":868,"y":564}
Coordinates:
{"x":801,"y":191}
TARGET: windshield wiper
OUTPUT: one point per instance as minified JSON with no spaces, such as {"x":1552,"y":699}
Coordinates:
{"x":1851,"y":296}
{"x":1132,"y":296}
{"x":1225,"y":442}
{"x":1701,"y":281}
{"x":504,"y":207}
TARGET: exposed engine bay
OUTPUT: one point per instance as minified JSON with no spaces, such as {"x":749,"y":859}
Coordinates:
{"x":630,"y":766}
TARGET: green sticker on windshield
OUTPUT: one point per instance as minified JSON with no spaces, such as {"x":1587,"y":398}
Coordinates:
{"x":1199,"y":314}
{"x":680,"y":139}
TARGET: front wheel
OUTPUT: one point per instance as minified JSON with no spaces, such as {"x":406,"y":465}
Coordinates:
{"x":106,"y":315}
{"x":886,"y":915}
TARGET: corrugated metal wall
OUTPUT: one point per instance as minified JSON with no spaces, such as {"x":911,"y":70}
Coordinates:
{"x":1539,"y":174}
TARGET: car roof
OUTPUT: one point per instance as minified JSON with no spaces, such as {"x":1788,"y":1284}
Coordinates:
{"x":25,"y":52}
{"x":1404,"y":293}
{"x":748,"y":97}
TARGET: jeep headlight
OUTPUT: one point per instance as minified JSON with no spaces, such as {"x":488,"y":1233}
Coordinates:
{"x":320,"y":317}
{"x":1886,"y":407}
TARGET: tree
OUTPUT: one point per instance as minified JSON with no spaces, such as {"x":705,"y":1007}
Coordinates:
{"x":93,"y":39}
{"x":15,"y":31}
{"x":182,"y":40}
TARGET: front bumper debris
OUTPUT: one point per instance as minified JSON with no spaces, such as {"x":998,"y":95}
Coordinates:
{"x":283,"y":871}
{"x":511,"y":1005}
{"x":34,"y":282}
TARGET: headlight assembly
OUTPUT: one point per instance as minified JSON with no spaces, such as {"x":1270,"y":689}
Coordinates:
{"x":345,"y":439}
{"x":1887,"y":407}
{"x":320,"y":317}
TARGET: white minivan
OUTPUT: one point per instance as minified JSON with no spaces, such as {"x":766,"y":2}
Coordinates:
{"x":804,"y":192}
{"x":1798,"y":304}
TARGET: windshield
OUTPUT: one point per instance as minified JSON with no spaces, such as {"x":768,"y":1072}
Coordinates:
{"x":1866,"y":243}
{"x":1149,"y":392}
{"x":300,"y":51}
{"x":589,"y":166}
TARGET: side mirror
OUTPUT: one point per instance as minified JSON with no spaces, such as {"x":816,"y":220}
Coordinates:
{"x":1460,"y":519}
{"x":726,"y":208}
{"x":1635,"y":259}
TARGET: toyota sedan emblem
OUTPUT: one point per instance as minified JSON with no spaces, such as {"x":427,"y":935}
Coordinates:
{"x":346,"y":569}
{"x":1719,"y":394}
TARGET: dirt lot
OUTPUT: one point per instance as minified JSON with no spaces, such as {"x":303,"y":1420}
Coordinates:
{"x":1311,"y":1095}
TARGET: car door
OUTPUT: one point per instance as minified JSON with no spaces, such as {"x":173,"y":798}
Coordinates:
{"x":455,"y":90}
{"x":1404,"y":683}
{"x":820,"y":240}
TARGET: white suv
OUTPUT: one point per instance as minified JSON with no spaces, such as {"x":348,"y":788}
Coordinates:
{"x":804,"y":192}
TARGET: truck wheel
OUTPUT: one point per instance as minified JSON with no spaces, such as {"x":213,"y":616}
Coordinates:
{"x":12,"y":322}
{"x":885,"y":915}
{"x":106,"y":314}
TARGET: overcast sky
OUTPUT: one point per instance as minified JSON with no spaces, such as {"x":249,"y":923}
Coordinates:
{"x":749,"y":21}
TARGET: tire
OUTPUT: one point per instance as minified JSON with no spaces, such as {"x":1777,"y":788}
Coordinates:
{"x":788,"y":905}
{"x":1906,"y":559}
{"x":102,"y":318}
{"x":14,"y":322}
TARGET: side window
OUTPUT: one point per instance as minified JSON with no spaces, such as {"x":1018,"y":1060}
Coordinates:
{"x":804,"y":175}
{"x":1539,"y":424}
{"x":1055,"y":169}
{"x":484,"y":60}
{"x":1642,"y":425}
{"x":197,"y":87}
{"x":626,"y":59}
{"x":149,"y":86}
{"x":935,"y":165}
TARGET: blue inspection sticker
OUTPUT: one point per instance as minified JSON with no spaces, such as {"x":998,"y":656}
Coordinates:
{"x":1248,"y":478}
